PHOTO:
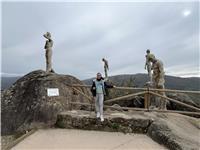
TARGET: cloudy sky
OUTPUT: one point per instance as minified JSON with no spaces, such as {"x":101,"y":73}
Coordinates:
{"x":84,"y":32}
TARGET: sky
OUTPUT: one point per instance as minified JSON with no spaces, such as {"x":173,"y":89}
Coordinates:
{"x":85,"y":32}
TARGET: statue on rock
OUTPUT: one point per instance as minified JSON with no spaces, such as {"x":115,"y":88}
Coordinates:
{"x":48,"y":54}
{"x":148,"y":64}
{"x":158,"y":82}
{"x":106,"y":68}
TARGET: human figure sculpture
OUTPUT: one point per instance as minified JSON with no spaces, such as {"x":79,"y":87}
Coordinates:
{"x":48,"y":54}
{"x":106,"y":67}
{"x":148,"y":64}
{"x":158,"y":82}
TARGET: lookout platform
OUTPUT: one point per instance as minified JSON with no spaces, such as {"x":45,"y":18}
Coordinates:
{"x":120,"y":130}
{"x":72,"y":139}
{"x":174,"y":131}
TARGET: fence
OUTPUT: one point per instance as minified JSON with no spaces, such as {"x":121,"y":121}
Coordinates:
{"x":147,"y":92}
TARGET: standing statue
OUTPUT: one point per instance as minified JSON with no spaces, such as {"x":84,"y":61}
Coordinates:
{"x":48,"y":54}
{"x":158,"y":82}
{"x":148,"y":64}
{"x":106,"y":68}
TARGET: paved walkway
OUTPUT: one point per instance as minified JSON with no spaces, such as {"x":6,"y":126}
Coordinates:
{"x":70,"y":139}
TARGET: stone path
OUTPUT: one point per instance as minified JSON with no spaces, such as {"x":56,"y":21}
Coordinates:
{"x":71,"y":139}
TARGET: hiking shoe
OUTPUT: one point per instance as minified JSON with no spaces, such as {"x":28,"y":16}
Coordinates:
{"x":101,"y":117}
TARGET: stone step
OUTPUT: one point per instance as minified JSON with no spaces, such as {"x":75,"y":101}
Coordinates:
{"x":126,"y":122}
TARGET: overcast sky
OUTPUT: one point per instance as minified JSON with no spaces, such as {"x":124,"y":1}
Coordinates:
{"x":84,"y":33}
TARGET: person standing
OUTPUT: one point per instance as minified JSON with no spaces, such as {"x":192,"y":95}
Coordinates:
{"x":106,"y":67}
{"x":148,"y":64}
{"x":98,"y":90}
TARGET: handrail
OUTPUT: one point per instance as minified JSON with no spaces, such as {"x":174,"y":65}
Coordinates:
{"x":175,"y":91}
{"x":123,"y":97}
{"x":106,"y":106}
{"x":89,"y":98}
{"x":175,"y":101}
{"x":141,"y":109}
{"x":144,"y":89}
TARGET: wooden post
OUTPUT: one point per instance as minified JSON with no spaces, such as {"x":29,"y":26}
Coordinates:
{"x":147,"y":99}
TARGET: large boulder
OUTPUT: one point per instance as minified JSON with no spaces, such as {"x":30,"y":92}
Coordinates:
{"x":175,"y":131}
{"x":26,"y":104}
{"x":114,"y":121}
{"x":182,"y":97}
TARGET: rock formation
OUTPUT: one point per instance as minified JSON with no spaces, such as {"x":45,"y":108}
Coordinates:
{"x":174,"y":131}
{"x":26,"y":104}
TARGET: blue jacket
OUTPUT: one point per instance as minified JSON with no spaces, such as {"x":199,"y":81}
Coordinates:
{"x":105,"y":87}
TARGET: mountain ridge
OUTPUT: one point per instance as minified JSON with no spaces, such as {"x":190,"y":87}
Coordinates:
{"x":139,"y":80}
{"x":174,"y":82}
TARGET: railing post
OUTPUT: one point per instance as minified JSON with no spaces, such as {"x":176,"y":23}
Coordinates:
{"x":147,"y":99}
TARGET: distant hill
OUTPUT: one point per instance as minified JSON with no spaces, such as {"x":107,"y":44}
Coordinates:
{"x":139,"y":80}
{"x":136,"y":80}
{"x":6,"y":82}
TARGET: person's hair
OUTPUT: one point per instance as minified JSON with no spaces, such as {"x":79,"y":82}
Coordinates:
{"x":148,"y":51}
{"x":103,"y":59}
{"x":99,"y":74}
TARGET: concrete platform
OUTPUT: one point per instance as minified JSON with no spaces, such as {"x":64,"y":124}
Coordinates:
{"x":71,"y":139}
